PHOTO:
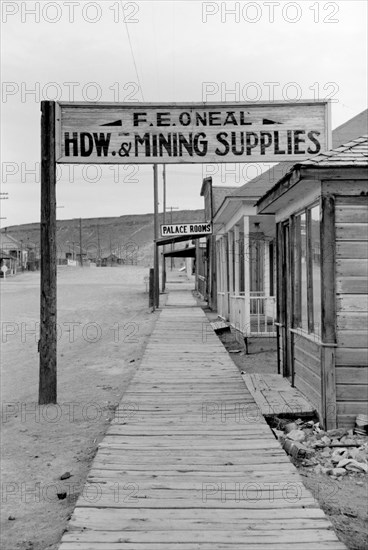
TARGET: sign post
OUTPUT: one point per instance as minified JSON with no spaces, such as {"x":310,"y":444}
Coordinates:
{"x":155,"y":225}
{"x":48,"y":336}
{"x":159,"y":133}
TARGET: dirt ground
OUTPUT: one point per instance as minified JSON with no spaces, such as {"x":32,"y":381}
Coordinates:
{"x":104,"y":322}
{"x":344,"y":500}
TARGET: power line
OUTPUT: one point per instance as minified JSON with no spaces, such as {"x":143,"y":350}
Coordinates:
{"x":135,"y":64}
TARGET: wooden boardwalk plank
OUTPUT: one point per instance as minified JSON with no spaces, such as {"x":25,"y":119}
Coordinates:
{"x":189,"y":462}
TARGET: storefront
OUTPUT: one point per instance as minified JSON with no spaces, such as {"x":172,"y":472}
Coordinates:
{"x":321,"y":214}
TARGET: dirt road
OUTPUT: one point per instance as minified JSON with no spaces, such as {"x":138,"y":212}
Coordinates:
{"x":103,"y":325}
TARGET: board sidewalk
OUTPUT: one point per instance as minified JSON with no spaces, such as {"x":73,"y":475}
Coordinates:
{"x":189,"y":463}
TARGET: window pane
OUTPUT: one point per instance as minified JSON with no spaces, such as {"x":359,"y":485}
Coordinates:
{"x":300,"y":273}
{"x":316,"y":267}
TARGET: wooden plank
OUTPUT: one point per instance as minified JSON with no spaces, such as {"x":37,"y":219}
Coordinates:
{"x":352,"y":375}
{"x":352,"y":268}
{"x":352,"y":356}
{"x":351,"y":213}
{"x":352,"y":302}
{"x":311,"y":362}
{"x":352,"y":231}
{"x":190,"y":463}
{"x":325,"y":545}
{"x":352,"y":408}
{"x":352,"y":249}
{"x":352,"y":392}
{"x":351,"y":339}
{"x":352,"y":321}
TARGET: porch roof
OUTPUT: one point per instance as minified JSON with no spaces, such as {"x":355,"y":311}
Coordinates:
{"x":189,"y":252}
{"x":351,"y":155}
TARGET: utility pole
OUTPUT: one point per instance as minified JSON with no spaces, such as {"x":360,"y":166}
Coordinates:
{"x":48,"y":334}
{"x":155,"y":229}
{"x":164,"y":221}
{"x":171,"y":220}
{"x":80,"y":242}
{"x":98,"y":243}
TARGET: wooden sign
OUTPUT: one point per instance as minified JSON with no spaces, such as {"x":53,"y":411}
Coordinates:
{"x":200,"y":228}
{"x":113,"y":133}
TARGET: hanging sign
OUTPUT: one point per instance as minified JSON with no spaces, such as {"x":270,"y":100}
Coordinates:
{"x":200,"y":228}
{"x":111,"y":133}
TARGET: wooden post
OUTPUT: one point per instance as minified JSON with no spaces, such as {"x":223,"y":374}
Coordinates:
{"x":246,"y":319}
{"x":151,"y":287}
{"x":237,"y":254}
{"x":164,"y":221}
{"x":328,"y":311}
{"x":47,"y":344}
{"x":155,"y":225}
{"x":80,"y":242}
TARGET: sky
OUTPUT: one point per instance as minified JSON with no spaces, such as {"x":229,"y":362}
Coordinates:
{"x":168,"y":51}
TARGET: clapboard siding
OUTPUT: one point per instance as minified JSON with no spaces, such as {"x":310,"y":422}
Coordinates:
{"x":307,"y":387}
{"x":352,"y":375}
{"x":351,"y":338}
{"x":350,"y":249}
{"x":307,"y":369}
{"x":351,"y":231}
{"x":352,"y":268}
{"x":351,"y":219}
{"x":352,"y":302}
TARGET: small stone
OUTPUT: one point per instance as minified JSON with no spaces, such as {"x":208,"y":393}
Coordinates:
{"x":338,"y":471}
{"x":11,"y":518}
{"x":338,"y":433}
{"x":356,"y":466}
{"x":326,"y":440}
{"x":290,"y":427}
{"x":296,"y":435}
{"x":67,"y":475}
{"x":360,"y":483}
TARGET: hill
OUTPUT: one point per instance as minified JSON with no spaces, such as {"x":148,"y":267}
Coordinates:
{"x":129,"y":237}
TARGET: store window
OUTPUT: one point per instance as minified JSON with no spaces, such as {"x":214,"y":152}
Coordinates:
{"x":306,"y":271}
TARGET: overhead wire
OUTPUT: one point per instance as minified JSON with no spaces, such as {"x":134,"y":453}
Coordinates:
{"x":134,"y":61}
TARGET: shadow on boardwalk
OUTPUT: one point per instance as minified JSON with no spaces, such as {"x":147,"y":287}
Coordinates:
{"x":189,"y":461}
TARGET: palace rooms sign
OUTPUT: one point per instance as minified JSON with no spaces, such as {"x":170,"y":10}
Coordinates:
{"x":111,"y":133}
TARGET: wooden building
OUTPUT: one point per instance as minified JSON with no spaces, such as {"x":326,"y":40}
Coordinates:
{"x":321,"y":214}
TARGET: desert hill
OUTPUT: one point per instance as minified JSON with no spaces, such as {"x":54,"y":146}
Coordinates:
{"x":129,"y":237}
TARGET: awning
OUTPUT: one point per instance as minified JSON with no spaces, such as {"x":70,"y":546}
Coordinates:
{"x":182,"y":253}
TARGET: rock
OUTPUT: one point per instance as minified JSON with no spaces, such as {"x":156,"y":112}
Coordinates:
{"x":326,"y":440}
{"x":356,"y":466}
{"x":338,"y":454}
{"x":319,"y":469}
{"x":67,"y":475}
{"x":338,"y":433}
{"x":357,"y":454}
{"x":338,"y":471}
{"x":343,"y":463}
{"x":11,"y":518}
{"x":290,"y":427}
{"x":326,"y":452}
{"x":296,"y":435}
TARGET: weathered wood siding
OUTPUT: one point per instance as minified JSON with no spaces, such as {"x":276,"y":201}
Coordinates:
{"x":307,"y":368}
{"x":351,"y":218}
